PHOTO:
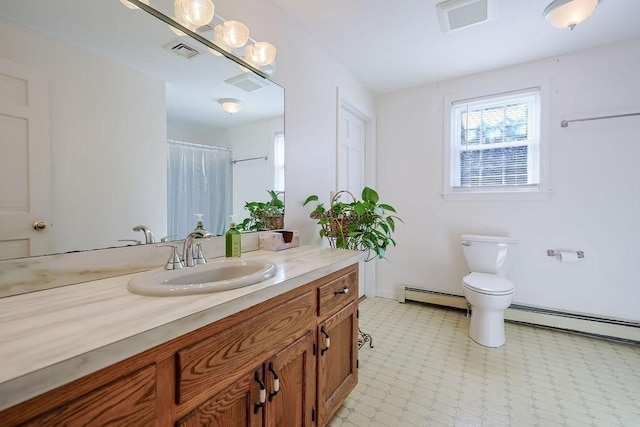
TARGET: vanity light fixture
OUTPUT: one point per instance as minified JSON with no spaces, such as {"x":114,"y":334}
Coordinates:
{"x":234,"y":33}
{"x":231,"y":105}
{"x":260,"y":54}
{"x":196,"y":12}
{"x":569,"y":13}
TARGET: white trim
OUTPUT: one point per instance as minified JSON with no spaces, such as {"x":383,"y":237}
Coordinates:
{"x":540,"y":191}
{"x":369,"y":272}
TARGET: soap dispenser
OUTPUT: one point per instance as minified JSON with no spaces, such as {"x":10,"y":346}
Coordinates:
{"x":199,"y":224}
{"x":232,"y":240}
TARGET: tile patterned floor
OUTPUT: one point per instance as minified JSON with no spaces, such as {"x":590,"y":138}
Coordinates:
{"x":425,"y":371}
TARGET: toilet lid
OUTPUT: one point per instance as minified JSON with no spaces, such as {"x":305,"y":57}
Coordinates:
{"x":488,"y":284}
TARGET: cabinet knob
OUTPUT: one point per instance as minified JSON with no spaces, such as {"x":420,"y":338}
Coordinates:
{"x":344,"y":290}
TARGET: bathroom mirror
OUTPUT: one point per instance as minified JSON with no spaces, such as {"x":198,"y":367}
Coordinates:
{"x":120,"y":84}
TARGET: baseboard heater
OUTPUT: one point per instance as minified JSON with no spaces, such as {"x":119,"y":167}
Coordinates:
{"x":575,"y":322}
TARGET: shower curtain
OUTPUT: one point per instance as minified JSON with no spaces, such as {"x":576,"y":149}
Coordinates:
{"x":199,"y":181}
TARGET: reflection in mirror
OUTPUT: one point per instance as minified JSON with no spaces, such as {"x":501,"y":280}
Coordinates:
{"x":93,"y":95}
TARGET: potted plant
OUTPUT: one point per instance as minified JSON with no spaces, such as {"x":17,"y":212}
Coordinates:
{"x":264,"y":215}
{"x":364,"y":224}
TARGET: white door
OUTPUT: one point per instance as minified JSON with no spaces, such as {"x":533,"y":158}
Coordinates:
{"x":351,"y":173}
{"x":351,"y":153}
{"x":24,"y":161}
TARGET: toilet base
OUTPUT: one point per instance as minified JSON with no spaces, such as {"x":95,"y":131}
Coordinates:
{"x":487,"y":327}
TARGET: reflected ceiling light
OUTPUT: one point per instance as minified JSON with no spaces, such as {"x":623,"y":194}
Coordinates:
{"x":260,"y":54}
{"x":231,"y":105}
{"x":195,"y":12}
{"x":569,"y":13}
{"x":131,"y":5}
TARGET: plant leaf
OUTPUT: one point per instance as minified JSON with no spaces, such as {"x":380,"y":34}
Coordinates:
{"x":312,"y":198}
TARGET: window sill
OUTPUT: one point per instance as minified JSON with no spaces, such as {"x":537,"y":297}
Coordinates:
{"x":496,"y":195}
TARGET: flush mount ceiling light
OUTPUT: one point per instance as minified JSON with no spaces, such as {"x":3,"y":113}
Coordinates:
{"x":569,"y":13}
{"x":195,"y":12}
{"x":231,"y":105}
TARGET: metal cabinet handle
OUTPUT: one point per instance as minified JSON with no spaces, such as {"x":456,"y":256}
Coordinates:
{"x":263,"y":394}
{"x":327,"y":341}
{"x":344,"y":290}
{"x":276,"y":382}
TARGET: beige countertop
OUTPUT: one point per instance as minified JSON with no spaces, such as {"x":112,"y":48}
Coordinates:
{"x":49,"y":338}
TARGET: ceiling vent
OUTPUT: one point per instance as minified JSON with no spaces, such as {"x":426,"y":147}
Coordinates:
{"x":180,"y":48}
{"x":456,"y":14}
{"x":247,"y":82}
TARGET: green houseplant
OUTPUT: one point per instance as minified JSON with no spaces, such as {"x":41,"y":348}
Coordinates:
{"x":363,"y":224}
{"x":267,"y":215}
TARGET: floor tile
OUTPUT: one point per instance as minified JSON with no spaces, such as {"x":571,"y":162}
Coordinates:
{"x":425,"y":371}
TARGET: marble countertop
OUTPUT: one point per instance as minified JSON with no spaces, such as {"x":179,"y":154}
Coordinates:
{"x":51,"y":337}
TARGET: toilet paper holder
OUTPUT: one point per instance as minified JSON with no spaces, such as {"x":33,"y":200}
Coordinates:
{"x":551,"y":252}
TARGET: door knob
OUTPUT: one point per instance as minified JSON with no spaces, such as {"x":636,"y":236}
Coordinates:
{"x":39,"y":225}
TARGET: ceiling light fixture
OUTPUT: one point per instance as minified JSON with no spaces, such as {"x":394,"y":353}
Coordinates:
{"x":231,"y":105}
{"x":569,"y":13}
{"x":195,"y":12}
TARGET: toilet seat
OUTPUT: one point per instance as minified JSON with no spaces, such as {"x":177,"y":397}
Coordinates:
{"x":488,"y":284}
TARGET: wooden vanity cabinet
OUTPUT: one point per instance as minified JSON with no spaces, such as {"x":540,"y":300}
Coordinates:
{"x":289,"y":361}
{"x":337,"y":333}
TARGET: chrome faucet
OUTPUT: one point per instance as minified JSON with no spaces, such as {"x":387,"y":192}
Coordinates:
{"x":187,"y":248}
{"x":148,"y":235}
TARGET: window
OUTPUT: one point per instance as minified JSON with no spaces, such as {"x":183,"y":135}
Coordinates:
{"x":494,"y":145}
{"x":278,"y":162}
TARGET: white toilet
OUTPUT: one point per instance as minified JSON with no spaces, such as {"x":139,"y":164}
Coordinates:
{"x":486,"y":288}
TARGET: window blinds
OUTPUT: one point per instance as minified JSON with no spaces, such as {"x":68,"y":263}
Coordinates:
{"x":495,"y":140}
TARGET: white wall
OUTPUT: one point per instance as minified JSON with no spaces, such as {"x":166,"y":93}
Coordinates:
{"x":108,"y":137}
{"x":593,"y":206}
{"x":310,"y":78}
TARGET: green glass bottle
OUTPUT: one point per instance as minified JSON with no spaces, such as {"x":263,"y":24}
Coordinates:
{"x":232,"y":241}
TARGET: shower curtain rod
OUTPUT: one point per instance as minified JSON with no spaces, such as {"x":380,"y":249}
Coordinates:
{"x":252,"y":158}
{"x":565,"y":123}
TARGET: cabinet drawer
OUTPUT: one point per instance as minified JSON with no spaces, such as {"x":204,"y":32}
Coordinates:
{"x":127,"y":401}
{"x":337,"y":293}
{"x":218,"y":361}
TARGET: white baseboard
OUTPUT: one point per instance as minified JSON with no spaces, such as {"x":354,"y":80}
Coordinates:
{"x":537,"y":316}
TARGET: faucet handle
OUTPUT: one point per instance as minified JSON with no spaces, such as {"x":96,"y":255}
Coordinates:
{"x":198,"y":256}
{"x":174,"y":262}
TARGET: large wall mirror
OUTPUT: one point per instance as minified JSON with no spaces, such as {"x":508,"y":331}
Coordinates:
{"x":94,"y":98}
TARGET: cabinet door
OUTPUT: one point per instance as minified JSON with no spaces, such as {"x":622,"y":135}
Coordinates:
{"x":337,"y":360}
{"x":290,"y":383}
{"x":237,"y":406}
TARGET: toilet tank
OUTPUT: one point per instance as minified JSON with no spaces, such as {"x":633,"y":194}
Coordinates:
{"x":489,"y":254}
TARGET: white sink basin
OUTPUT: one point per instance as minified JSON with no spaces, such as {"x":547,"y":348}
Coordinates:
{"x":220,"y":274}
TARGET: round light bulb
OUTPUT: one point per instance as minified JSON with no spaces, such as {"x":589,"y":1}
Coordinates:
{"x":235,"y":34}
{"x":260,"y":53}
{"x":218,"y":38}
{"x":195,"y":12}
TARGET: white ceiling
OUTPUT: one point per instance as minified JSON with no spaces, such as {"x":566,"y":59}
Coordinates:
{"x":393,"y":45}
